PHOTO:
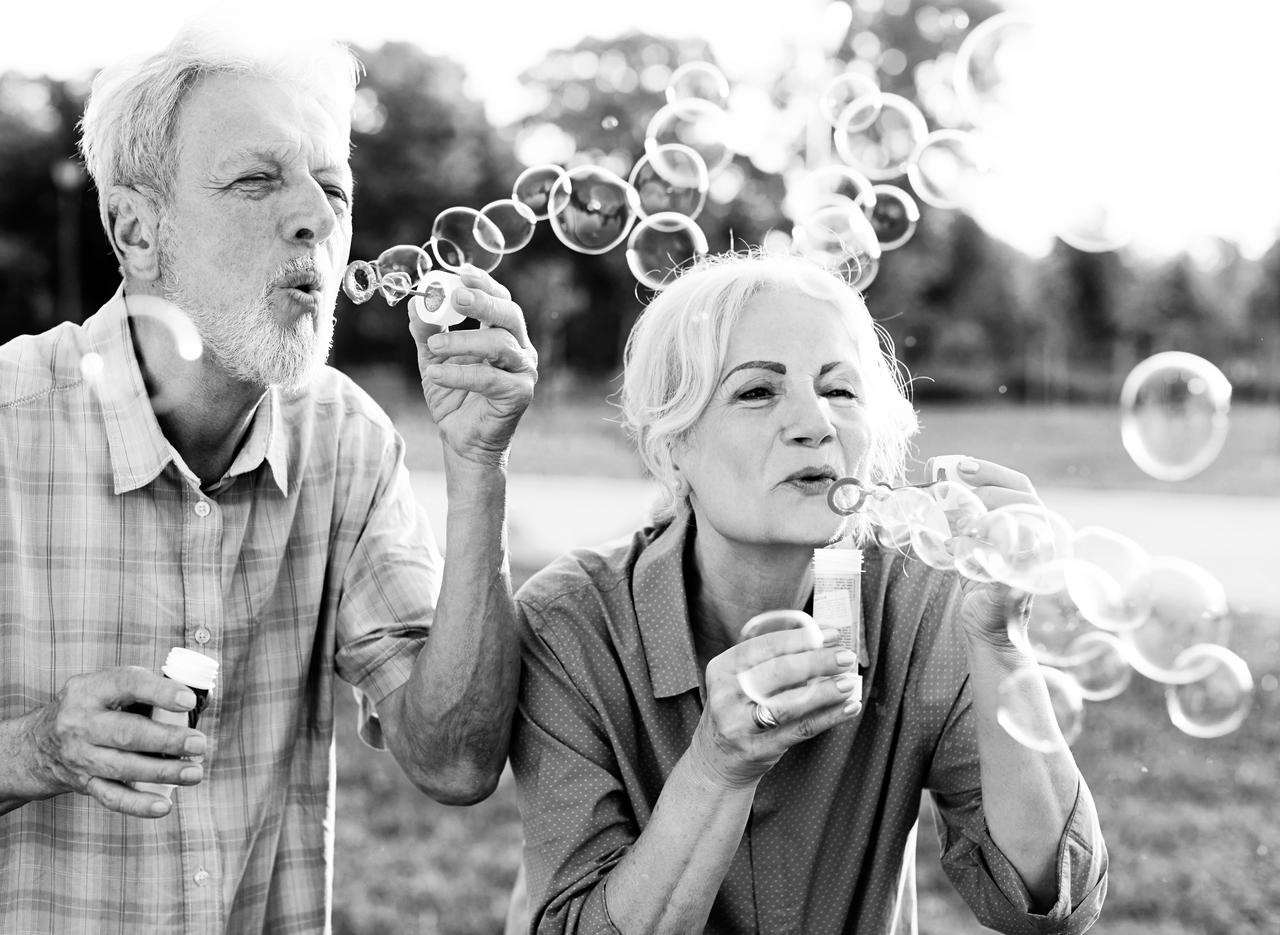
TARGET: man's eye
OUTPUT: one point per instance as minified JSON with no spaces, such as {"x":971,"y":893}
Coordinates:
{"x":338,"y":194}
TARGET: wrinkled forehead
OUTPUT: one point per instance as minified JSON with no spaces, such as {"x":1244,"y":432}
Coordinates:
{"x":803,"y":321}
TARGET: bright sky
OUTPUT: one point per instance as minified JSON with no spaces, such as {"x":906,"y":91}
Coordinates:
{"x":1166,"y":110}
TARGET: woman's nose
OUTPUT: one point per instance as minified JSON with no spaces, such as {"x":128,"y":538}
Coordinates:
{"x":808,"y":421}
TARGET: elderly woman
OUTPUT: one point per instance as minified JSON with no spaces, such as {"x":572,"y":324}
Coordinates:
{"x":656,"y":796}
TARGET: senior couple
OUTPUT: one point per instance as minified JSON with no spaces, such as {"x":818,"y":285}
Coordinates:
{"x":253,"y":505}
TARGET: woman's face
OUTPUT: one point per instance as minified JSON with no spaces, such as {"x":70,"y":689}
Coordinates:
{"x":786,"y":419}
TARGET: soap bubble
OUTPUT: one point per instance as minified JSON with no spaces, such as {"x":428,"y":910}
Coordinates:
{"x":1173,"y":414}
{"x":405,"y":258}
{"x":433,"y":303}
{"x":834,"y":184}
{"x":851,"y":101}
{"x":840,"y":238}
{"x":1049,"y":625}
{"x":946,"y":167}
{"x":698,"y":124}
{"x":848,"y":495}
{"x":513,"y":220}
{"x":600,"y":210}
{"x":1108,"y":577}
{"x":775,"y":621}
{"x":394,"y":286}
{"x":893,"y":215}
{"x":1021,"y":709}
{"x":884,"y":148}
{"x":1188,"y":606}
{"x":671,"y":178}
{"x":936,"y":532}
{"x":1217,"y":701}
{"x":993,"y":66}
{"x":1086,"y":221}
{"x":896,"y":513}
{"x":456,"y":240}
{"x":661,"y":245}
{"x":698,"y":81}
{"x":1024,"y":546}
{"x":92,"y":366}
{"x":360,"y":281}
{"x":534,"y":186}
{"x":1096,"y":662}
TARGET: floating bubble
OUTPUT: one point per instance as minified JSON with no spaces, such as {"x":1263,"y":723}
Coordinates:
{"x":456,"y":240}
{"x":534,"y":186}
{"x":661,"y":245}
{"x":775,"y":621}
{"x":895,"y":514}
{"x":698,"y":124}
{"x":405,"y":258}
{"x":599,"y":210}
{"x":850,"y":101}
{"x":433,"y":299}
{"x":360,"y":281}
{"x":670,"y":178}
{"x":946,"y":167}
{"x":394,"y":286}
{"x":186,"y":336}
{"x":1097,"y":663}
{"x":1024,"y":546}
{"x":514,"y":221}
{"x":936,"y":534}
{"x":1087,"y":222}
{"x":893,"y":215}
{"x":1023,"y":713}
{"x":1188,"y":606}
{"x":993,"y":66}
{"x":92,"y":366}
{"x":807,"y":192}
{"x":1108,"y":577}
{"x":1218,"y":700}
{"x":1049,"y":624}
{"x":1173,"y":414}
{"x":609,"y":122}
{"x":884,"y":148}
{"x":839,"y":237}
{"x":698,"y":81}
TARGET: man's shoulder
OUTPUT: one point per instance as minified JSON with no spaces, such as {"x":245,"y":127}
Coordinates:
{"x":34,"y":365}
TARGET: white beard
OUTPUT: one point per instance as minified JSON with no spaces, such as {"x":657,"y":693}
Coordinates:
{"x":247,"y":343}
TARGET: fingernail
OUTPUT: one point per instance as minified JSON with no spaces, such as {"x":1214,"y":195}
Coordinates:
{"x":435,"y":342}
{"x":195,"y":744}
{"x":846,"y":682}
{"x":968,"y":465}
{"x":186,"y":699}
{"x":462,"y":296}
{"x":159,"y":808}
{"x":191,"y":774}
{"x":853,"y":707}
{"x":845,"y":658}
{"x":433,"y":373}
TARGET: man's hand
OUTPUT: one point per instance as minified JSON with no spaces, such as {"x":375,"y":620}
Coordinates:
{"x":478,"y":383}
{"x":83,"y":741}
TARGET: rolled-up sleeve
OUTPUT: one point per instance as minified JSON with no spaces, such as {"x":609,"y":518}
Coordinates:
{"x":577,"y":820}
{"x":980,"y":871}
{"x":390,"y":565}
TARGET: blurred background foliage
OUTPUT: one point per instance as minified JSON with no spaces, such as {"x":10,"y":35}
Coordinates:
{"x":973,"y":314}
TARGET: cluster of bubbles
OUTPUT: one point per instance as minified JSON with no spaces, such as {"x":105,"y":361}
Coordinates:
{"x":1090,"y":604}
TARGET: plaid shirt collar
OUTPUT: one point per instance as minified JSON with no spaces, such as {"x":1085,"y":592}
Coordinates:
{"x":138,"y":449}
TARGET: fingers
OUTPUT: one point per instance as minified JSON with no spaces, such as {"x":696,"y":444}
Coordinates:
{"x":120,"y":798}
{"x":794,"y":670}
{"x":489,"y":302}
{"x":491,"y":345}
{"x":116,"y":688}
{"x":978,"y":473}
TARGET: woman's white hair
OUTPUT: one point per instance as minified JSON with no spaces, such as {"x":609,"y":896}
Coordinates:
{"x":128,"y":130}
{"x":677,"y":349}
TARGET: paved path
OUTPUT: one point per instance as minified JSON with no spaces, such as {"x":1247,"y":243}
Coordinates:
{"x":1235,"y":538}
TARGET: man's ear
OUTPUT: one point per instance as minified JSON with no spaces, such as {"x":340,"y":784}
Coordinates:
{"x":134,"y":232}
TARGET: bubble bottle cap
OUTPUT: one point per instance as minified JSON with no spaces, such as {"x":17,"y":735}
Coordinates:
{"x":193,"y":669}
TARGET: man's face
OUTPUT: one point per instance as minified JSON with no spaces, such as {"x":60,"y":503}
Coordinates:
{"x":255,"y":237}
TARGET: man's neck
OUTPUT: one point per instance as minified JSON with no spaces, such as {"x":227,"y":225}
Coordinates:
{"x":203,"y":413}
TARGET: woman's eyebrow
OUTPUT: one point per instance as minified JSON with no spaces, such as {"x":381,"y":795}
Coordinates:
{"x":756,"y":365}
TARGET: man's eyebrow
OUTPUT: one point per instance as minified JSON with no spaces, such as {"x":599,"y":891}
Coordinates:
{"x":756,"y":365}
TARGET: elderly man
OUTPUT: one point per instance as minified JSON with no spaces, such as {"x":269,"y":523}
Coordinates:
{"x":252,"y":505}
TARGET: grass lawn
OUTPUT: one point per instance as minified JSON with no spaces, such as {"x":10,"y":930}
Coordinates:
{"x":1193,"y":826}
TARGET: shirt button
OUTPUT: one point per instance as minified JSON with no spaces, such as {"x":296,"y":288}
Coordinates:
{"x":201,"y":876}
{"x":203,"y":635}
{"x":202,"y":508}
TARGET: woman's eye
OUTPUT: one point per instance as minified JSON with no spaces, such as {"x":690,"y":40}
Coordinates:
{"x":756,"y":393}
{"x":842,"y":392}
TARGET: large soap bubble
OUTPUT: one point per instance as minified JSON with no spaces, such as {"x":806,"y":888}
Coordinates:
{"x":893,"y":215}
{"x":698,"y":81}
{"x":663,"y":244}
{"x":850,"y":101}
{"x":464,"y":235}
{"x":774,"y":621}
{"x":1050,"y":625}
{"x":1024,"y":546}
{"x":992,"y":67}
{"x":1188,"y":606}
{"x":600,"y":209}
{"x":883,"y":149}
{"x":1021,"y":708}
{"x":698,"y":124}
{"x":514,"y":221}
{"x":1217,"y":701}
{"x":947,"y":167}
{"x":1109,"y":579}
{"x":1173,"y":414}
{"x":670,"y":177}
{"x":1097,"y":663}
{"x":534,"y":187}
{"x":839,"y":237}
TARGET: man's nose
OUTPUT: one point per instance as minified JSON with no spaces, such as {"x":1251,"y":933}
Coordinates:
{"x":311,"y":218}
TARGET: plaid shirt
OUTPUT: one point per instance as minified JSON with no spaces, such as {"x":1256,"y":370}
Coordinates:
{"x":612,"y":693}
{"x":309,"y":559}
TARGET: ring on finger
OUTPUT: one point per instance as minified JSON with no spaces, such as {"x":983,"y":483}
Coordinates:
{"x":764,"y":718}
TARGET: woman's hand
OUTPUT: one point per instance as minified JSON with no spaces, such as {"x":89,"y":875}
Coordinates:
{"x":807,"y":691}
{"x":986,"y":607}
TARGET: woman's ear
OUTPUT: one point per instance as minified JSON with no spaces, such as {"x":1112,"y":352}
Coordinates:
{"x":134,"y":232}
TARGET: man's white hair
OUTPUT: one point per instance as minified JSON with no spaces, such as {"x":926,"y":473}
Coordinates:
{"x":130,"y":121}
